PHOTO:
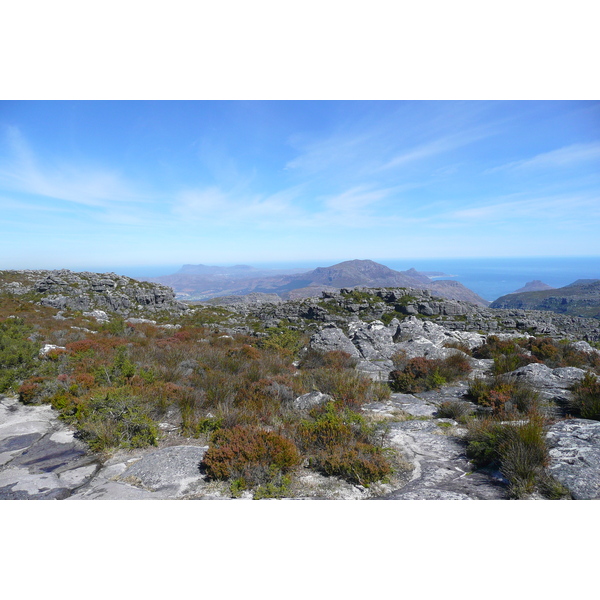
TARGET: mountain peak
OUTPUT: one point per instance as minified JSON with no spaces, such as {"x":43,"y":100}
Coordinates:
{"x":534,"y":286}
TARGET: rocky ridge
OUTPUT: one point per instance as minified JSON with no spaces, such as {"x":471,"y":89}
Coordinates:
{"x":85,"y":291}
{"x":369,"y":304}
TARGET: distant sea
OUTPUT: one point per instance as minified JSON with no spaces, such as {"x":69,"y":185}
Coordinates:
{"x":488,"y":277}
{"x":491,"y":278}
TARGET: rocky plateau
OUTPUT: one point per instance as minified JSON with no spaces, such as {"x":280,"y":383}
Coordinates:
{"x":41,"y":457}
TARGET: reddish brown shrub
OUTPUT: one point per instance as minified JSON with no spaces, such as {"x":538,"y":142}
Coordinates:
{"x":85,"y":380}
{"x":254,"y":455}
{"x":28,"y":392}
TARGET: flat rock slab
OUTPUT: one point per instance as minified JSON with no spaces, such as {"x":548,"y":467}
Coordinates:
{"x":175,"y":467}
{"x":575,"y":456}
{"x":40,"y":459}
{"x":442,"y":470}
{"x":149,"y":474}
{"x":407,"y":403}
{"x":448,"y":393}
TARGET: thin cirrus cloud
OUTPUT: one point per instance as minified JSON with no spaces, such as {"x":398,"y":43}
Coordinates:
{"x":381,"y":149}
{"x":429,"y":150}
{"x":540,"y":208}
{"x":22,"y":172}
{"x":212,"y":204}
{"x":567,"y":156}
{"x":354,"y":208}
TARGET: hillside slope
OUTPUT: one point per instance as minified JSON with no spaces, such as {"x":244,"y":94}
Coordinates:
{"x":580,"y":298}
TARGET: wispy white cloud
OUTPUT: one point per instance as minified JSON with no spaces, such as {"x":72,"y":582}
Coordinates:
{"x":21,"y":171}
{"x":355,"y":199}
{"x":213,"y":204}
{"x":380,"y":148}
{"x":566,"y":156}
{"x":355,"y":208}
{"x":534,"y":209}
{"x":431,"y":149}
{"x":329,"y":152}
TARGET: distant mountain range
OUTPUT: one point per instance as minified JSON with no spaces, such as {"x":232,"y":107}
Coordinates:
{"x":580,"y":298}
{"x":201,"y":282}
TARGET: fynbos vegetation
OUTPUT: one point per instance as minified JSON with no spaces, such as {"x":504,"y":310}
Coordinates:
{"x":248,"y":383}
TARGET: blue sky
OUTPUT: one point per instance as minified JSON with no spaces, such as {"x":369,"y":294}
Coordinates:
{"x":88,"y":184}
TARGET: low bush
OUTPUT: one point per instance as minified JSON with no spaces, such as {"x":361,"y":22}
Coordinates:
{"x":562,"y":354}
{"x":345,"y":385}
{"x":339,"y":442}
{"x":505,"y":363}
{"x":421,"y":374}
{"x":249,"y":454}
{"x":585,"y":402}
{"x":360,"y":463}
{"x":503,"y":396}
{"x":336,"y":359}
{"x":282,"y":339}
{"x":518,"y":449}
{"x":494,"y":346}
{"x":454,"y":409}
{"x":17,"y":353}
{"x":523,"y":456}
{"x":114,"y":419}
{"x":28,"y":391}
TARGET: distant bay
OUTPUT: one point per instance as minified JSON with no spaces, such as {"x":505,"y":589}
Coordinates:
{"x":495,"y":277}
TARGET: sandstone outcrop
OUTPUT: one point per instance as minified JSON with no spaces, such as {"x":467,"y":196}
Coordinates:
{"x":85,"y":291}
{"x":369,"y":304}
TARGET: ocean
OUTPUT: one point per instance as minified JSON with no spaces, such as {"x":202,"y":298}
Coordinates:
{"x":491,"y":278}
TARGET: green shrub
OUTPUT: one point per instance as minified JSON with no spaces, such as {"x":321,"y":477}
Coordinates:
{"x":586,"y":397}
{"x":518,"y":449}
{"x":545,"y":349}
{"x":359,"y":463}
{"x":494,"y":346}
{"x":454,"y":409}
{"x":336,"y":359}
{"x":483,"y":441}
{"x":523,"y":456}
{"x":114,"y":419}
{"x":344,"y":385}
{"x":504,"y":396}
{"x":17,"y":353}
{"x":327,"y":427}
{"x":338,"y":442}
{"x":122,"y":365}
{"x":454,"y":366}
{"x":505,"y":363}
{"x":278,"y":488}
{"x":282,"y":339}
{"x":421,"y":374}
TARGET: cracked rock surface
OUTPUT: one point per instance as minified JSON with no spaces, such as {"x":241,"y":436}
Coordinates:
{"x":39,"y":456}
